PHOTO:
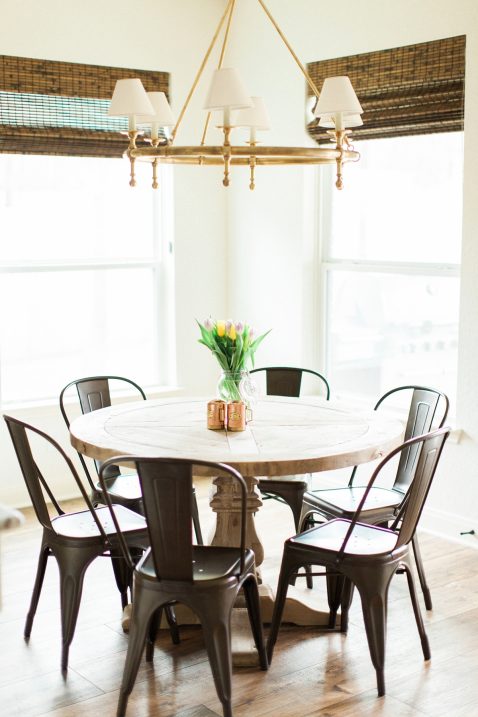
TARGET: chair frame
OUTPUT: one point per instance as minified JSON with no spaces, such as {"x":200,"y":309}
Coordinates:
{"x":173,"y":555}
{"x":85,"y":408}
{"x":312,"y":503}
{"x":73,"y":554}
{"x":371,"y":573}
{"x":287,"y":491}
{"x":97,"y":495}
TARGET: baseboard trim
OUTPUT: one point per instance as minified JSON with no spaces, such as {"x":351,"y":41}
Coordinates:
{"x":444,"y":524}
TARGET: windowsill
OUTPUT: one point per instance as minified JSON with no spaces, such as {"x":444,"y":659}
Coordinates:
{"x":151,"y":391}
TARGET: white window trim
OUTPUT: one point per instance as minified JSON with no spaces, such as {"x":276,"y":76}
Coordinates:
{"x":324,"y":187}
{"x":162,"y":266}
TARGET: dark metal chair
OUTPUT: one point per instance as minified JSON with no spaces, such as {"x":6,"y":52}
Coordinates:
{"x":366,"y":556}
{"x":94,"y":393}
{"x":205,"y":578}
{"x":73,"y":539}
{"x":383,"y":503}
{"x":288,"y":381}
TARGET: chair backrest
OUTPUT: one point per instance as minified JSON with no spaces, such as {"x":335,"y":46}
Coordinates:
{"x":287,"y":380}
{"x":166,"y":485}
{"x":425,"y":403}
{"x":429,"y":449}
{"x":94,"y":393}
{"x":36,"y":483}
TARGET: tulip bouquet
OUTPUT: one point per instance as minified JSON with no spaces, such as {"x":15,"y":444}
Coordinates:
{"x":234,"y":345}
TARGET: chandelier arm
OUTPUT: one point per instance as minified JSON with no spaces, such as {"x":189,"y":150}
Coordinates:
{"x":201,"y":70}
{"x":308,"y":78}
{"x":221,"y":60}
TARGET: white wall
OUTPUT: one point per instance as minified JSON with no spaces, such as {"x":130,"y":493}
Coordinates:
{"x":252,"y":254}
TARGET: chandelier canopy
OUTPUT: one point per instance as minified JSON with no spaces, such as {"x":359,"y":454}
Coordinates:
{"x":337,"y":108}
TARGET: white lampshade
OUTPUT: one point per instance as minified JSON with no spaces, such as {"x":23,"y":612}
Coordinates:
{"x":255,"y":116}
{"x":227,"y":91}
{"x":337,"y":96}
{"x":130,"y":99}
{"x":162,"y":111}
{"x":347,"y":121}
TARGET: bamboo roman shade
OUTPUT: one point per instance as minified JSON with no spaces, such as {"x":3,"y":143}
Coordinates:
{"x":417,"y":89}
{"x":49,"y":107}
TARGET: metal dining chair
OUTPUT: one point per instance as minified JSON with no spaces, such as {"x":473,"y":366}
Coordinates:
{"x":355,"y":553}
{"x":288,"y":381}
{"x":94,"y":393}
{"x":425,"y":404}
{"x":206,"y":578}
{"x":74,"y":539}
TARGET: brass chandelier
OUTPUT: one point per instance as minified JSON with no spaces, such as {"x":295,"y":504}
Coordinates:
{"x":337,"y":108}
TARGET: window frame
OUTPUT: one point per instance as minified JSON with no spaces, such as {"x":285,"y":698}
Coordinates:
{"x":326,"y":265}
{"x":162,"y":267}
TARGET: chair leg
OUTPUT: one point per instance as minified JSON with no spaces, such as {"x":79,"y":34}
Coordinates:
{"x":123,"y":574}
{"x":418,"y":615}
{"x":42,"y":562}
{"x":421,"y":573}
{"x":251,"y":594}
{"x":145,"y":606}
{"x":154,"y":627}
{"x":152,"y":634}
{"x":374,"y":609}
{"x":217,"y":637}
{"x":195,"y":517}
{"x":73,"y":563}
{"x":288,"y":566}
{"x":173,"y":624}
{"x":345,"y":603}
{"x":335,"y":585}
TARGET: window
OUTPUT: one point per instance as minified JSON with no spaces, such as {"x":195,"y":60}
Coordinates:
{"x":391,"y":253}
{"x":85,"y":261}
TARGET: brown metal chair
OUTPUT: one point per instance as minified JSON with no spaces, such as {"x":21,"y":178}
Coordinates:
{"x":205,"y":578}
{"x":288,"y":381}
{"x":366,"y":556}
{"x":94,"y":393}
{"x":73,"y":539}
{"x":425,"y":404}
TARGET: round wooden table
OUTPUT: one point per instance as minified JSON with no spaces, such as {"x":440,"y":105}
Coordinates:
{"x":286,"y":436}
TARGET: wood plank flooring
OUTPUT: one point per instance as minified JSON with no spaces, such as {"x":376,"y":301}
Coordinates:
{"x":313,"y":673}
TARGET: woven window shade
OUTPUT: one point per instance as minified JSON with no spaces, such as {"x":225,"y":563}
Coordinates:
{"x":49,"y":107}
{"x":417,"y":89}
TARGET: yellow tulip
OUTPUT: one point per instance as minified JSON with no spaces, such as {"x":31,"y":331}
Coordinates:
{"x":221,"y":328}
{"x":232,"y":332}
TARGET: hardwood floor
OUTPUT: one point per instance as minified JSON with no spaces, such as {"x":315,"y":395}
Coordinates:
{"x":313,"y":673}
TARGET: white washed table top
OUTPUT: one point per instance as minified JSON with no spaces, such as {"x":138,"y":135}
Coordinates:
{"x":286,"y":435}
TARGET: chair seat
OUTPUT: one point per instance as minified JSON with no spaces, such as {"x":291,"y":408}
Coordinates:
{"x":82,"y":524}
{"x":125,"y":485}
{"x":340,"y":501}
{"x":209,"y":563}
{"x":365,"y":539}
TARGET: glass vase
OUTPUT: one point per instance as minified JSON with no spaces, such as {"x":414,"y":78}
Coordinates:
{"x":237,"y":386}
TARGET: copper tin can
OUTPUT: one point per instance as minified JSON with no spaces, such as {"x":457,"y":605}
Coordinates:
{"x":216,"y":415}
{"x":236,"y":416}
